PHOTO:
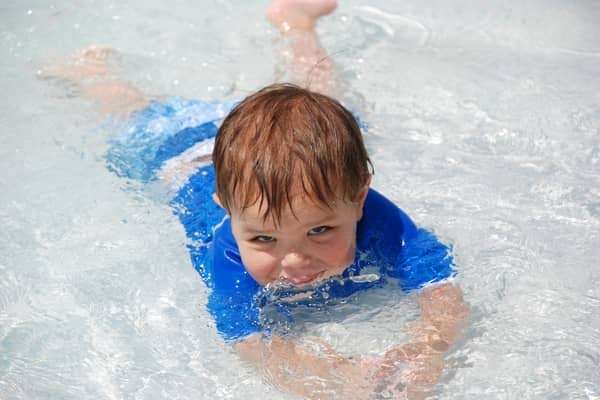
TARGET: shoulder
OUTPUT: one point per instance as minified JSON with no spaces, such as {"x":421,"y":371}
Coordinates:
{"x":228,"y":272}
{"x":413,"y":255}
{"x":383,"y":218}
{"x":216,"y":257}
{"x":207,"y":226}
{"x":232,"y":298}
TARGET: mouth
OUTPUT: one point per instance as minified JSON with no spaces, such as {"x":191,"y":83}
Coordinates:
{"x":302,"y":280}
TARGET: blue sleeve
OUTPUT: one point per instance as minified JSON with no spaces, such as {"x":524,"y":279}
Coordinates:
{"x":412,"y":255}
{"x":235,"y":316}
{"x":232,"y":301}
{"x":383,"y":229}
{"x":423,"y":260}
{"x":216,"y":257}
{"x":198,"y":214}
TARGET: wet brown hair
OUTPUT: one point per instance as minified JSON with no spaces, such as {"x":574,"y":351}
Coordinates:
{"x":283,"y":139}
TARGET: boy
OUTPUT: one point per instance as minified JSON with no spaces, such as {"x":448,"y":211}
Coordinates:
{"x":292,"y":173}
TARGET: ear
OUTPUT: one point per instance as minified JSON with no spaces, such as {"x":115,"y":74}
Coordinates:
{"x":217,"y":200}
{"x":361,"y":198}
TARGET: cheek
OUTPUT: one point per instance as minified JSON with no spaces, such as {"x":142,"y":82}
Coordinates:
{"x":260,"y":265}
{"x":340,"y":251}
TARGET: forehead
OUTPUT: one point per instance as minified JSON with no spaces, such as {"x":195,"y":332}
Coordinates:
{"x":273,"y":201}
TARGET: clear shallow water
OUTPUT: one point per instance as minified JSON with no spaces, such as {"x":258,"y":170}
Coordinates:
{"x":484,"y":126}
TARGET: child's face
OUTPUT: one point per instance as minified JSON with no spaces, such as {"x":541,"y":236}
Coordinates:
{"x":309,"y":245}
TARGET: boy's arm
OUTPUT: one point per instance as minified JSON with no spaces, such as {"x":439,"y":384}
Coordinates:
{"x":415,"y":367}
{"x":317,"y":371}
{"x":313,"y":371}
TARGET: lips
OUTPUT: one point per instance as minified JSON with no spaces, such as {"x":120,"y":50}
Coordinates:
{"x":303,"y":279}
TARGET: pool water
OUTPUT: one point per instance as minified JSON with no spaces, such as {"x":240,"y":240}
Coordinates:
{"x":484,"y":125}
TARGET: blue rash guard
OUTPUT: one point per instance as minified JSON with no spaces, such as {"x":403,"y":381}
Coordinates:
{"x":388,"y":244}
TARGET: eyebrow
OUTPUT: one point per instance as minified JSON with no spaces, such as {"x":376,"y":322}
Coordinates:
{"x":255,"y":231}
{"x":323,"y":220}
{"x":318,"y":222}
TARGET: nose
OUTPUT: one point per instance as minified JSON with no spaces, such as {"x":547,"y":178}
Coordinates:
{"x":294,"y":261}
{"x":298,"y":268}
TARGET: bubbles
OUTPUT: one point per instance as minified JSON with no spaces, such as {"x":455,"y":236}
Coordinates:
{"x":405,"y":32}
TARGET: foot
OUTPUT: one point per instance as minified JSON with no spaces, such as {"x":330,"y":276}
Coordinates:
{"x":298,"y":14}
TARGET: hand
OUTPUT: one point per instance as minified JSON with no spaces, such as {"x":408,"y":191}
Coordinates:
{"x":409,"y":371}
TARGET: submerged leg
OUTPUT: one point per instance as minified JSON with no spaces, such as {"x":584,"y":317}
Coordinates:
{"x":90,"y":70}
{"x":299,"y":14}
{"x":306,"y":62}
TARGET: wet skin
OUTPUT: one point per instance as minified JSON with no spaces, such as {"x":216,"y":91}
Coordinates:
{"x":310,"y":243}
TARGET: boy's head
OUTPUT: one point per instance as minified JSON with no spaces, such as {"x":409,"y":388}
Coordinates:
{"x":293,"y":173}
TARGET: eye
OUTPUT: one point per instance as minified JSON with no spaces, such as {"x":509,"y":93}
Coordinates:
{"x":263,"y":239}
{"x":319,"y":230}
